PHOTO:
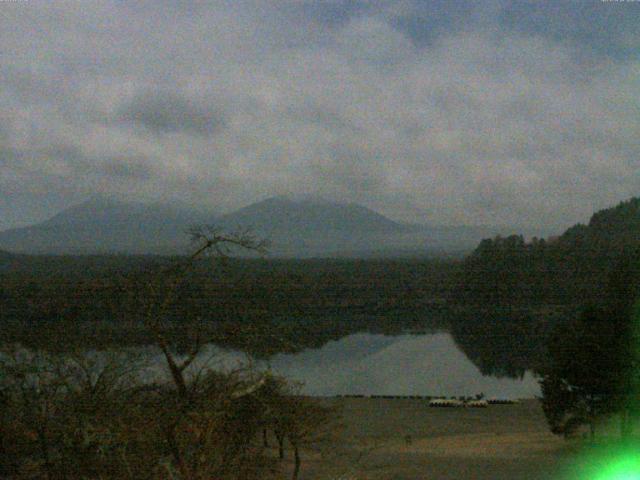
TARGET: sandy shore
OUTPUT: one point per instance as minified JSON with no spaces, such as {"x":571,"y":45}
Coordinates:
{"x":406,"y":439}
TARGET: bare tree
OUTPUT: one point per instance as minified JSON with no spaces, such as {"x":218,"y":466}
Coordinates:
{"x":300,"y":420}
{"x":62,"y":409}
{"x":207,"y":241}
{"x":86,"y":414}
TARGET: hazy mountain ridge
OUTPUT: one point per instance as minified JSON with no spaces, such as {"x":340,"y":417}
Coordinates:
{"x":297,"y":227}
{"x":97,"y":211}
{"x":312,"y":226}
{"x":106,"y":226}
{"x":283,"y":214}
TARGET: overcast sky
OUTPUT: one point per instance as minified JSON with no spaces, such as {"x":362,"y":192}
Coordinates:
{"x":443,"y":111}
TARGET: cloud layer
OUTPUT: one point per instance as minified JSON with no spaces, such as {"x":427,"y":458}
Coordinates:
{"x":428,"y":111}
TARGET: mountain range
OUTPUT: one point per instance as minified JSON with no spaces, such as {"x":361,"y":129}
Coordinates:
{"x":302,"y":227}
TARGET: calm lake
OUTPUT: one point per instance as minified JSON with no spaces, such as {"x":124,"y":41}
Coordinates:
{"x":370,"y":364}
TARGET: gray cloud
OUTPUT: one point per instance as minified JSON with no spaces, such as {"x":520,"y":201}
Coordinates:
{"x":166,"y":112}
{"x":436,"y":111}
{"x":127,"y":168}
{"x":604,"y":28}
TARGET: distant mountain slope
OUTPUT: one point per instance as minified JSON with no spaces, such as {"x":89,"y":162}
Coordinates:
{"x":118,"y":213}
{"x":106,"y":226}
{"x":306,"y":227}
{"x":282,"y":215}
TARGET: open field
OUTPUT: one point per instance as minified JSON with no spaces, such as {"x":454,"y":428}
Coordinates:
{"x":405,"y":439}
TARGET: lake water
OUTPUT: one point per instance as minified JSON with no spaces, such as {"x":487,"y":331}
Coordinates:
{"x":360,"y":364}
{"x":371,"y":364}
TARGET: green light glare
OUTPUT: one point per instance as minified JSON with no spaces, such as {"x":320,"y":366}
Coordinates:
{"x":612,"y":457}
{"x":626,"y":468}
{"x":607,"y":464}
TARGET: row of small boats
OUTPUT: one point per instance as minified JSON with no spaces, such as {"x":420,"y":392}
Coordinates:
{"x":443,"y":402}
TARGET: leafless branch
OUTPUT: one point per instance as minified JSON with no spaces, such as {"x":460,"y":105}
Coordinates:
{"x":207,"y":240}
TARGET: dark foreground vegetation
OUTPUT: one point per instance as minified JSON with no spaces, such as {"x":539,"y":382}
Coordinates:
{"x":94,"y":415}
{"x":76,"y":416}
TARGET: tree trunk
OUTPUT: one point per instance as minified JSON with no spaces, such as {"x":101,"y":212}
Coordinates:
{"x":296,"y":467}
{"x":44,"y":451}
{"x":176,"y":372}
{"x":265,"y":439}
{"x":175,"y":451}
{"x":280,"y":439}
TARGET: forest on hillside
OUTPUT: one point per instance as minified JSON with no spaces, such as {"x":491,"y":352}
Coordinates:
{"x":512,"y":294}
{"x":566,"y":270}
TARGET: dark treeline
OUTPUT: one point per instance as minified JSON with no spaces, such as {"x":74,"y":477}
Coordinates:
{"x":278,"y":305}
{"x":511,"y":294}
{"x":559,"y":271}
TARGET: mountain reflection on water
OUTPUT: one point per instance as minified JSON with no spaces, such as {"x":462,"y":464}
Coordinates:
{"x":370,"y":364}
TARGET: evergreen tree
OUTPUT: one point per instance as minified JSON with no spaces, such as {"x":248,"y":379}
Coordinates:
{"x":592,"y":367}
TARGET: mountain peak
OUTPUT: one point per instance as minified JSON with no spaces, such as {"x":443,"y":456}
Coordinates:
{"x":300,"y":199}
{"x":309,"y":215}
